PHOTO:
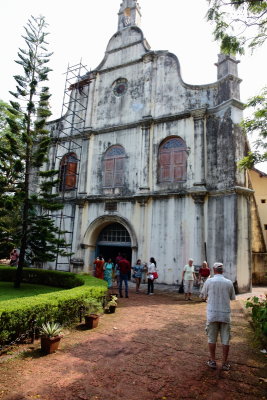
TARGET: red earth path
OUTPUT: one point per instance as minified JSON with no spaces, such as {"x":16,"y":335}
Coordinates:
{"x":152,"y":348}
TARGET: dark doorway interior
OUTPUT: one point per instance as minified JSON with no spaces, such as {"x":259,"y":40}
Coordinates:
{"x":114,"y":239}
{"x":112,"y":252}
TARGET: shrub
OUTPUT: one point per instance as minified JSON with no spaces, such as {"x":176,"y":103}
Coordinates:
{"x":42,"y":277}
{"x":51,"y":329}
{"x":17,"y":315}
{"x":258,"y":307}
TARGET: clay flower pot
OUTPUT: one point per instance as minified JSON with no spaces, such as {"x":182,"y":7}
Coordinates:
{"x":112,"y":309}
{"x":50,"y":344}
{"x":50,"y":337}
{"x":91,"y":321}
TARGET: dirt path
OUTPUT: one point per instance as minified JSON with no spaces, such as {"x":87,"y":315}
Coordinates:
{"x":152,"y":348}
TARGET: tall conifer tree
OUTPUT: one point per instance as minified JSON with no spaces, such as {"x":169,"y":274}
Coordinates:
{"x":28,"y":142}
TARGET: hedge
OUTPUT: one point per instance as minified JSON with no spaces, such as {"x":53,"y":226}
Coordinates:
{"x":16,"y":315}
{"x":42,"y":277}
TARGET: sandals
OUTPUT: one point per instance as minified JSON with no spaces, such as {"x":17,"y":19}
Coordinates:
{"x":212,"y":364}
{"x":226,"y":367}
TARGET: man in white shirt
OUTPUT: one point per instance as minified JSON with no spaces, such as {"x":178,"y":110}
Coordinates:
{"x":219,"y":291}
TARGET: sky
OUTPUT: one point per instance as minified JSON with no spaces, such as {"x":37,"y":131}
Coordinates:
{"x":80,"y":31}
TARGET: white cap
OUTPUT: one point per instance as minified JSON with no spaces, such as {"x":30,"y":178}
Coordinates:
{"x":217,"y":265}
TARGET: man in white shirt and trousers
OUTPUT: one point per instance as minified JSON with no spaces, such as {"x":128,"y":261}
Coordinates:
{"x":218,"y":291}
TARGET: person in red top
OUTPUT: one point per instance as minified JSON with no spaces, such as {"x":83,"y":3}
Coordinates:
{"x":124,"y":268}
{"x":99,"y":267}
{"x":204,"y":273}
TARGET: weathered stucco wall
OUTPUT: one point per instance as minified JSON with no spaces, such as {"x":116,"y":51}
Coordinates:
{"x":170,"y":221}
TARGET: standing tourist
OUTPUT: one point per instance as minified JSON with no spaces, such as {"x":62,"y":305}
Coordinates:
{"x":99,"y":267}
{"x":14,"y":258}
{"x":137,"y":274}
{"x":124,"y":268}
{"x":150,"y":277}
{"x":218,"y":291}
{"x":204,"y":273}
{"x":116,"y":275}
{"x":108,"y":271}
{"x":188,"y":278}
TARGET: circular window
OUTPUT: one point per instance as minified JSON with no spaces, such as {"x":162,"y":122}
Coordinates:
{"x":120,"y":87}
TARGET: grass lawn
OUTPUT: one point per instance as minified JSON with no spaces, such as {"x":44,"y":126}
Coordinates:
{"x":8,"y":292}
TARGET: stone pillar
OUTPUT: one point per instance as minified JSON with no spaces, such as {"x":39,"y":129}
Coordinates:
{"x":77,"y":229}
{"x":83,"y":173}
{"x":199,"y":146}
{"x":228,"y":80}
{"x":199,"y":231}
{"x":129,"y":14}
{"x":144,"y":155}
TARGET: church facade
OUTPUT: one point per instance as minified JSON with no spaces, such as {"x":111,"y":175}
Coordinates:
{"x":155,"y":172}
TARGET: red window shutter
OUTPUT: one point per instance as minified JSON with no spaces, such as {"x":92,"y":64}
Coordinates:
{"x":179,"y":165}
{"x":165,"y":166}
{"x":68,"y":172}
{"x":119,"y":172}
{"x":108,"y":172}
{"x":70,"y":180}
{"x":172,"y":161}
{"x":114,"y":167}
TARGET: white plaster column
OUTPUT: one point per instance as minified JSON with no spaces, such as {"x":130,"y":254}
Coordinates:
{"x":199,"y":228}
{"x":199,"y":146}
{"x":144,"y":155}
{"x":83,"y":173}
{"x":78,"y":227}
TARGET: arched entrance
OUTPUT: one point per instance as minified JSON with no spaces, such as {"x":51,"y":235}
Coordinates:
{"x":113,"y":239}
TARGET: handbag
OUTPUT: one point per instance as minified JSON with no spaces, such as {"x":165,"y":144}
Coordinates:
{"x":181,"y":288}
{"x":155,"y":274}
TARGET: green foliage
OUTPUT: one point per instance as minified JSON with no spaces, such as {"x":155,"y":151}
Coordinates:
{"x":238,"y":24}
{"x":26,"y":199}
{"x":242,"y":25}
{"x":258,"y":307}
{"x":11,"y":168}
{"x":17,"y":315}
{"x":8,"y":292}
{"x":92,"y":306}
{"x":50,"y":329}
{"x":57,"y":279}
{"x":112,"y":302}
{"x":256,"y":124}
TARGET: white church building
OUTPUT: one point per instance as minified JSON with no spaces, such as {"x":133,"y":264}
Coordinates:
{"x":147,"y":162}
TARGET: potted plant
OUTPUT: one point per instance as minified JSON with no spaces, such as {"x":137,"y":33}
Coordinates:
{"x":93,"y":309}
{"x":50,"y":336}
{"x":111,"y":305}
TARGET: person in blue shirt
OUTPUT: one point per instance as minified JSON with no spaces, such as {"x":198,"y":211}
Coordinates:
{"x":108,"y":270}
{"x":137,"y":274}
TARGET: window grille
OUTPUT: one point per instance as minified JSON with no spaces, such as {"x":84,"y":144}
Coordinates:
{"x":114,"y":233}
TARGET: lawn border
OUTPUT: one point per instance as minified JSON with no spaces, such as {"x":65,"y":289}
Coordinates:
{"x":18,"y":315}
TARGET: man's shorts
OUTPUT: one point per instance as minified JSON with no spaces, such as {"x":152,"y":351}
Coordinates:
{"x":188,"y":286}
{"x":213,"y":329}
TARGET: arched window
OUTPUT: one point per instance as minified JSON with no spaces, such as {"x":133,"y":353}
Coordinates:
{"x":114,"y":167}
{"x":114,"y":234}
{"x":172,"y":160}
{"x":68,"y":172}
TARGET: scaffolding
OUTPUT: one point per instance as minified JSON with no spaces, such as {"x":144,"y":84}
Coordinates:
{"x":70,"y":126}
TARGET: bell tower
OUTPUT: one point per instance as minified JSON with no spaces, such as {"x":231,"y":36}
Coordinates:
{"x":129,"y":14}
